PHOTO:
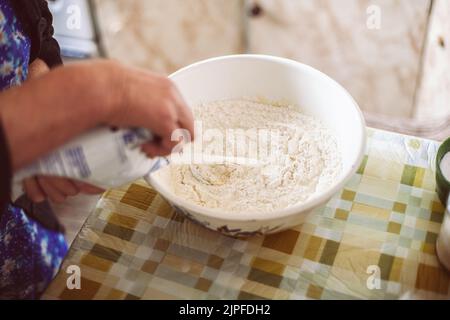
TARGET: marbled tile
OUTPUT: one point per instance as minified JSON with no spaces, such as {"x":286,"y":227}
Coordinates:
{"x":434,"y":92}
{"x":164,"y":35}
{"x":379,"y":67}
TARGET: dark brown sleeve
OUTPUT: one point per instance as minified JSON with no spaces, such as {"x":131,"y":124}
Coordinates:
{"x":5,"y":171}
{"x":49,"y":50}
{"x":37,"y":20}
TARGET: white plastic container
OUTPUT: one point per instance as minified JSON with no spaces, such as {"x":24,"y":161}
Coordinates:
{"x":443,"y":190}
{"x":443,"y":241}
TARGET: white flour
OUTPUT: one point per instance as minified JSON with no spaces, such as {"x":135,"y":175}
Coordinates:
{"x":304,"y":159}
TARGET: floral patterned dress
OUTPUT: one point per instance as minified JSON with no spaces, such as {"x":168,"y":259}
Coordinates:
{"x":30,"y":255}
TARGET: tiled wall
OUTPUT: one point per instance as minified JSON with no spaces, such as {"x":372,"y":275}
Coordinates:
{"x":164,"y":35}
{"x":378,"y":66}
{"x":433,"y":96}
{"x":381,"y":67}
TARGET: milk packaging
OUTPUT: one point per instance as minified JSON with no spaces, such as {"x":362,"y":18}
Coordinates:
{"x":103,"y":157}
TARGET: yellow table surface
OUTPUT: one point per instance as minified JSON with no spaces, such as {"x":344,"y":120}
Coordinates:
{"x":374,"y":240}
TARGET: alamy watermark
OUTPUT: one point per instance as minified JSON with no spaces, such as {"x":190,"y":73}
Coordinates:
{"x":373,"y":21}
{"x":74,"y":17}
{"x":239,"y":146}
{"x":73,"y":281}
{"x":373,"y":282}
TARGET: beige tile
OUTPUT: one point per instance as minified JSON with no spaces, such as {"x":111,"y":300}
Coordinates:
{"x":378,"y":67}
{"x":164,"y":35}
{"x":434,"y":92}
{"x":385,"y":189}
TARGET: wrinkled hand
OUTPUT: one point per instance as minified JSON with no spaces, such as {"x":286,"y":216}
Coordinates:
{"x":148,"y":100}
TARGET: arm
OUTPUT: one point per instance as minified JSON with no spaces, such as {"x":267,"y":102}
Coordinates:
{"x":56,"y":189}
{"x":49,"y":110}
{"x":36,"y":115}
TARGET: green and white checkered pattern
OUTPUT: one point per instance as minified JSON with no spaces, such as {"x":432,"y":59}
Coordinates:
{"x":383,"y":225}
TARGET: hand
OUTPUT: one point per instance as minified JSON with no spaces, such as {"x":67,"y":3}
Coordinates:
{"x":56,"y":189}
{"x":151,"y":101}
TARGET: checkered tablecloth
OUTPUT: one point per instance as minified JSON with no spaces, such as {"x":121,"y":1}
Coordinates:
{"x":382,"y":226}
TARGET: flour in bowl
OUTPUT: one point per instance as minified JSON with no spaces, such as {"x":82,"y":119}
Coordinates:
{"x":259,"y":157}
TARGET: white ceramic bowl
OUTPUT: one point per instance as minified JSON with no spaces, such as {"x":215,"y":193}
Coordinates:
{"x":277,"y":79}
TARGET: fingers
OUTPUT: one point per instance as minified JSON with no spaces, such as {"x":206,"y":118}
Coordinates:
{"x":185,"y":116}
{"x":56,"y":189}
{"x":53,"y":192}
{"x":87,"y":188}
{"x":155,"y":150}
{"x":63,"y":185}
{"x":176,"y":115}
{"x":33,"y":190}
{"x":165,"y":126}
